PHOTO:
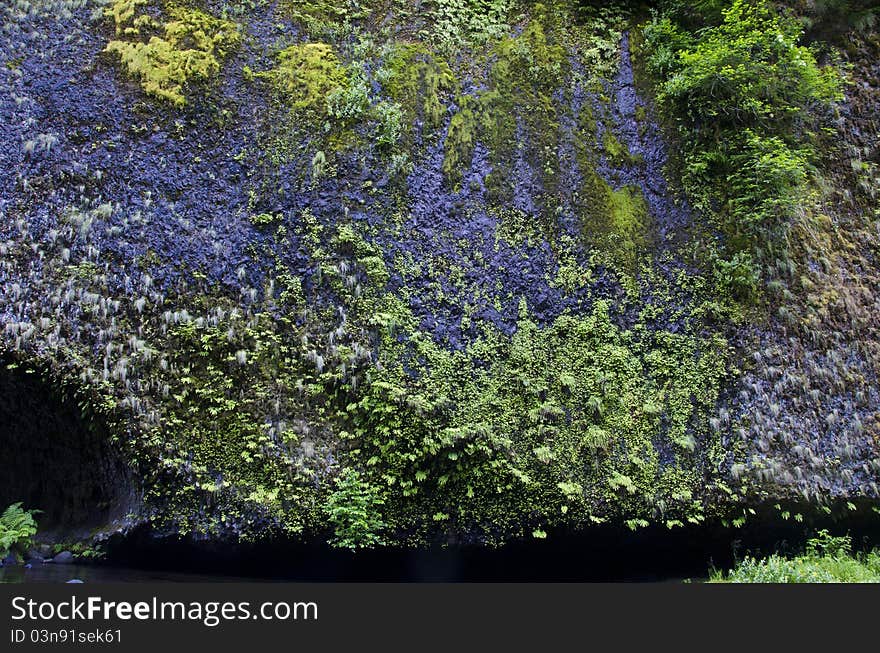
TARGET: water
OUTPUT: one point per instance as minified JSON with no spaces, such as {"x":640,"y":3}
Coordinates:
{"x":49,"y":573}
{"x":89,"y":574}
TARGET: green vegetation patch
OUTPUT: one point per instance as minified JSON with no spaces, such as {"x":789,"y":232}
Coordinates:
{"x":325,"y":19}
{"x":17,"y":528}
{"x":749,"y":102}
{"x":558,"y":425}
{"x":827,"y":559}
{"x":306,"y":74}
{"x":188,"y":47}
{"x":517,"y":104}
{"x":416,"y":79}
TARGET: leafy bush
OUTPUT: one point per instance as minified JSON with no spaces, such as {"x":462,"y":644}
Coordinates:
{"x":736,"y":277}
{"x":353,"y":509}
{"x":747,"y":99}
{"x":748,"y":71}
{"x":17,"y":527}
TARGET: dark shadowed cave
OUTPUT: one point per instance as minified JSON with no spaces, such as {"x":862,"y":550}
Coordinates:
{"x":55,"y":460}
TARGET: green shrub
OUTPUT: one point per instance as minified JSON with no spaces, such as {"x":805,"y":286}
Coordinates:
{"x":353,"y":509}
{"x":748,"y":71}
{"x":17,"y":527}
{"x":747,"y":99}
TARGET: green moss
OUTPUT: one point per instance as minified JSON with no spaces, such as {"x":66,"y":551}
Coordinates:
{"x":416,"y":79}
{"x":614,"y":222}
{"x":526,"y":69}
{"x":627,"y":233}
{"x":264,"y":219}
{"x":618,"y":153}
{"x":324,"y":19}
{"x":306,"y":74}
{"x":188,"y":47}
{"x":123,"y":12}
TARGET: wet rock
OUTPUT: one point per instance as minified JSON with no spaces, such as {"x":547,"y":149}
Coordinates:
{"x":11,"y":559}
{"x":74,"y":581}
{"x":63,"y":558}
{"x":34,"y":556}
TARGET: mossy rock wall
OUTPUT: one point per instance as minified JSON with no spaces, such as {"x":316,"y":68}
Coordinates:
{"x":350,"y":273}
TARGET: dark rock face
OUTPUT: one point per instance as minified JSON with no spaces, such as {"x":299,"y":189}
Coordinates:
{"x":57,"y":460}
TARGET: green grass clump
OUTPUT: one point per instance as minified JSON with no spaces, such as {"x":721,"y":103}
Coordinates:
{"x":187,"y":48}
{"x":827,"y":559}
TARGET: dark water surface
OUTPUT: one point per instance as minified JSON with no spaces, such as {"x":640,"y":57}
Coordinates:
{"x":49,"y":573}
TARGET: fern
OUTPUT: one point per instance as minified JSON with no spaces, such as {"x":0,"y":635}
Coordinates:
{"x":354,"y":510}
{"x":17,"y":527}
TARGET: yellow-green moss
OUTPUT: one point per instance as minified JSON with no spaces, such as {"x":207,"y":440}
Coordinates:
{"x":615,"y":222}
{"x":123,"y":12}
{"x":306,"y":74}
{"x":190,"y":47}
{"x":618,"y":153}
{"x":323,"y":18}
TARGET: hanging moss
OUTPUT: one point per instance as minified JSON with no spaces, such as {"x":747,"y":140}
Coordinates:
{"x":417,"y":79}
{"x":517,"y":106}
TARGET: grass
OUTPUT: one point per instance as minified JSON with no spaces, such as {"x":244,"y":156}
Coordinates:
{"x":827,"y":559}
